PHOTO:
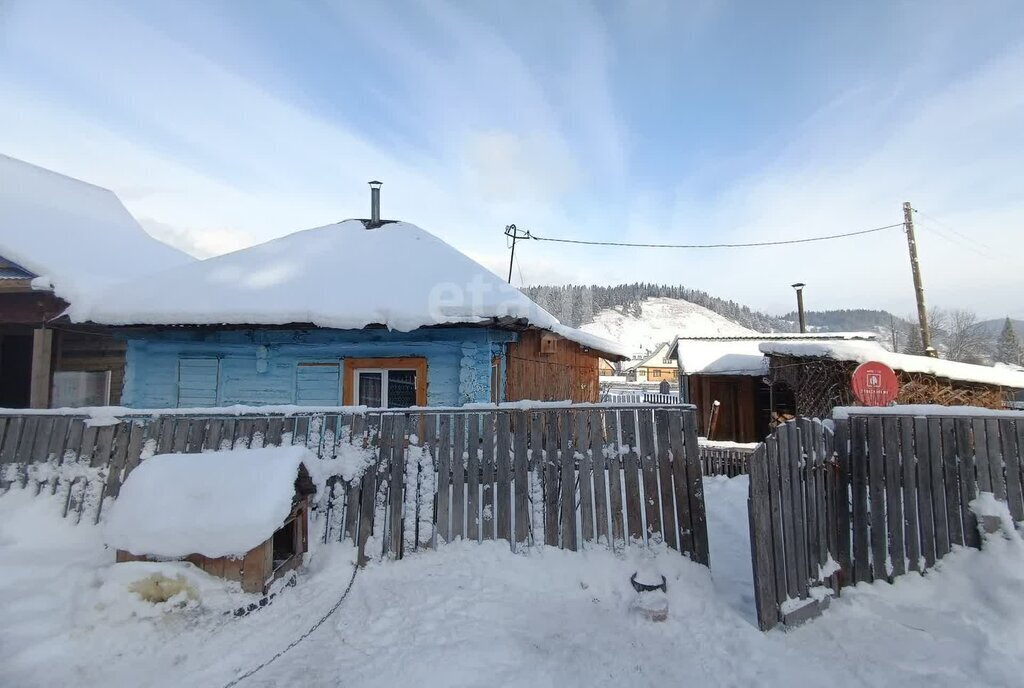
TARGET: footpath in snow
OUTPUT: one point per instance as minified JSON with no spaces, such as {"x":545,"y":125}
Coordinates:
{"x":472,"y":615}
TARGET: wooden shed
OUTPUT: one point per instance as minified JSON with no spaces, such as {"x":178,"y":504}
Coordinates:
{"x":820,"y":373}
{"x":242,"y":515}
{"x":733,"y":371}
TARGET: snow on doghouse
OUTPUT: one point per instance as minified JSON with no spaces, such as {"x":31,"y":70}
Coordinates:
{"x":240,"y":514}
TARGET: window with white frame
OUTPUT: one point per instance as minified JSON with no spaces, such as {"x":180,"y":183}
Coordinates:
{"x":385,"y":387}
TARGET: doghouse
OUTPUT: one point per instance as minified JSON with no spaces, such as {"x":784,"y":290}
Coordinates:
{"x":240,"y":514}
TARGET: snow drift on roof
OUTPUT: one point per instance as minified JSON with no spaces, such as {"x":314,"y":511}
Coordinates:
{"x":712,"y":357}
{"x":216,"y":504}
{"x":862,"y":352}
{"x":341,"y":276}
{"x":75,"y":237}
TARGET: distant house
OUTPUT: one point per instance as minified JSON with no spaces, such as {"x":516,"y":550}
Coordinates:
{"x":656,"y":367}
{"x":366,"y":312}
{"x":758,"y":380}
{"x":605,"y":368}
{"x":61,"y":241}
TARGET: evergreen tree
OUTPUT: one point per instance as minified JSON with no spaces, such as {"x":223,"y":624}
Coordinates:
{"x":1008,"y":347}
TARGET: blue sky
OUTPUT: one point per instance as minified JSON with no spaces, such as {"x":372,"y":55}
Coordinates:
{"x":222,"y":124}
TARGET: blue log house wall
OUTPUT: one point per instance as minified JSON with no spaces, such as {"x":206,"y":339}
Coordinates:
{"x":188,"y":367}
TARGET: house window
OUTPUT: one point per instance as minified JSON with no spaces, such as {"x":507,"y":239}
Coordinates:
{"x":386,"y":382}
{"x":198,"y":381}
{"x":75,"y":388}
{"x":318,"y":383}
{"x":654,"y":373}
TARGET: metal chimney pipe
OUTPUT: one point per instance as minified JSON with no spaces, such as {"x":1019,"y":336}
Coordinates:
{"x":799,"y":286}
{"x":375,"y":203}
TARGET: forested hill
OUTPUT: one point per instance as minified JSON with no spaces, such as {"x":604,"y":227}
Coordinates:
{"x":576,"y":305}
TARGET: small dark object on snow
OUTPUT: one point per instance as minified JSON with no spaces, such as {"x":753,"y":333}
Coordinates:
{"x":644,"y":587}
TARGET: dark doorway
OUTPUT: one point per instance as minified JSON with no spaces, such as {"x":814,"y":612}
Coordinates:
{"x":15,"y":370}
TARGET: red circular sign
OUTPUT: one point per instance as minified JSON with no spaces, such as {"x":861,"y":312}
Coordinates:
{"x":875,"y":384}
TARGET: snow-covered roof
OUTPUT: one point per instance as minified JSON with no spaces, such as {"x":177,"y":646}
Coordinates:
{"x":741,"y":354}
{"x":73,"y":237}
{"x":723,"y":357}
{"x":862,"y":352}
{"x":341,"y":276}
{"x":659,"y":359}
{"x":216,"y":504}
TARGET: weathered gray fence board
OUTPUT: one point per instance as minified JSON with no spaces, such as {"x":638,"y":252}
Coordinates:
{"x":924,"y":491}
{"x":521,"y":475}
{"x":581,"y":440}
{"x":567,"y":480}
{"x":908,"y":462}
{"x":504,"y":479}
{"x":876,"y":499}
{"x":600,"y":473}
{"x":487,"y":470}
{"x":473,"y":476}
{"x":778,"y":544}
{"x":444,"y":453}
{"x":759,"y":512}
{"x":614,"y":462}
{"x":631,"y":476}
{"x":894,"y":495}
{"x":459,"y":478}
{"x":695,"y":491}
{"x":995,"y":459}
{"x":938,"y":488}
{"x":668,"y":525}
{"x":859,"y":471}
{"x":649,"y":474}
{"x":1011,"y":457}
{"x":950,"y":473}
{"x":968,"y":480}
{"x":788,"y":511}
{"x":551,"y":476}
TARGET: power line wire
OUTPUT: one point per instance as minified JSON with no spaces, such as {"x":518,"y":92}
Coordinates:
{"x":781,"y":242}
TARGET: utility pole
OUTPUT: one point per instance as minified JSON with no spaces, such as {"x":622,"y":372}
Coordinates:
{"x":915,"y":267}
{"x":511,"y":231}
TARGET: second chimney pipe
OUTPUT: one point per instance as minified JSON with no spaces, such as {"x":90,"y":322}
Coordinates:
{"x":375,"y":203}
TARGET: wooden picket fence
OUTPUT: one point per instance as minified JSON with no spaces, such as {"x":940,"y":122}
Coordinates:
{"x":727,"y":461}
{"x":561,"y":476}
{"x":879,"y":496}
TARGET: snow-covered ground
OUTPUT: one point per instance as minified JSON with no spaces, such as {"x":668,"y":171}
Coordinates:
{"x":473,"y":615}
{"x":661,"y":320}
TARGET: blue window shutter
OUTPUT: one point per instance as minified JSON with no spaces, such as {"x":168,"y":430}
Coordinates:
{"x":198,"y":381}
{"x":317,"y":384}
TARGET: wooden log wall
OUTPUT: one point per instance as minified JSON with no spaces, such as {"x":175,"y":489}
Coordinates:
{"x":564,"y":477}
{"x":882,"y":496}
{"x":568,"y":374}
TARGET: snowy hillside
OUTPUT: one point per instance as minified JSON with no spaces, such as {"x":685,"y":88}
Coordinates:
{"x":660,"y":320}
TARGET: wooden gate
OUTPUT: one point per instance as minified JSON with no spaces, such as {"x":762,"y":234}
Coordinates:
{"x":881,"y":496}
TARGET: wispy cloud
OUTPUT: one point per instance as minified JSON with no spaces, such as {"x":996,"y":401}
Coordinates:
{"x":644,"y":121}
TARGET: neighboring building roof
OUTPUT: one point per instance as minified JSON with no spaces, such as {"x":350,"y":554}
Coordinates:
{"x":741,"y":355}
{"x":659,"y":359}
{"x":862,"y":352}
{"x":341,"y":276}
{"x":9,"y":270}
{"x":71,"y":236}
{"x":217,"y":504}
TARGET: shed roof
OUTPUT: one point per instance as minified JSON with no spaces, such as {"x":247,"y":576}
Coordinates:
{"x":341,"y":276}
{"x":741,"y":355}
{"x":862,"y":352}
{"x":216,"y":504}
{"x":71,"y":236}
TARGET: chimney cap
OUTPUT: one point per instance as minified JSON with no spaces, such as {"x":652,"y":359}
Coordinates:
{"x":375,"y":184}
{"x":798,"y":285}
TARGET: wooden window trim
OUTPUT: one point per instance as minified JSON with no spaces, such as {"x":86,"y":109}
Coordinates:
{"x":417,"y":363}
